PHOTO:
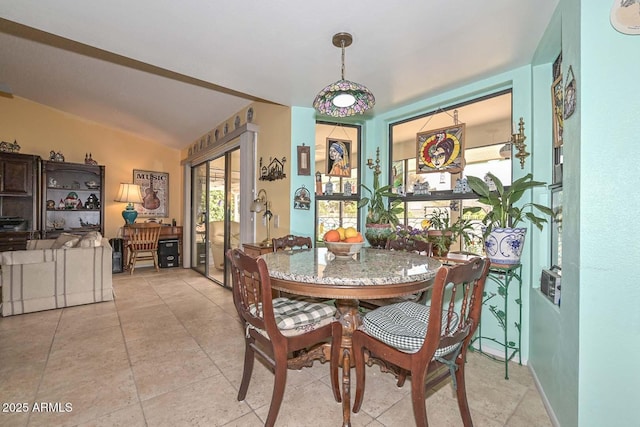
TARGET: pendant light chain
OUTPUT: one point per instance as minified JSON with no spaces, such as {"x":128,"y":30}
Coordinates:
{"x":342,"y":43}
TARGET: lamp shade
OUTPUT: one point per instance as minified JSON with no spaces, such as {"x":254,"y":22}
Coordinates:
{"x":343,"y":98}
{"x":130,"y":194}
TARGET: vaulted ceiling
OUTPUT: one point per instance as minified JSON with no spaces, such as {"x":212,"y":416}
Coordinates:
{"x":171,"y":71}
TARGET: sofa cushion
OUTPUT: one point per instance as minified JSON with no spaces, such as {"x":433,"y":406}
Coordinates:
{"x":92,"y":239}
{"x":65,"y":241}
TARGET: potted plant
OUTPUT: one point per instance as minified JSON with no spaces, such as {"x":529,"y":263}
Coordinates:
{"x":382,"y":216}
{"x":442,"y":232}
{"x":503,"y":240}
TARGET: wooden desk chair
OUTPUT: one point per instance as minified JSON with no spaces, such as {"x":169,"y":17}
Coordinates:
{"x":426,"y":341}
{"x":143,"y":243}
{"x":292,"y":242}
{"x":408,"y":245}
{"x":277,"y":329}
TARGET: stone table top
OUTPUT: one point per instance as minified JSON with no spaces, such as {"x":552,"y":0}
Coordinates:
{"x":368,"y":267}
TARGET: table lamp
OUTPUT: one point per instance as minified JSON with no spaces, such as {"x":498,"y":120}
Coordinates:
{"x":129,"y":193}
{"x":262,"y":204}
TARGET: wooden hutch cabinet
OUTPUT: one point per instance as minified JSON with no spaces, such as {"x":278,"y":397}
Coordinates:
{"x":19,"y":200}
{"x":72,"y":198}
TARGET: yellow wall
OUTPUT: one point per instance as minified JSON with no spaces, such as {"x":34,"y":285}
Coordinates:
{"x":274,"y":141}
{"x":38,"y":129}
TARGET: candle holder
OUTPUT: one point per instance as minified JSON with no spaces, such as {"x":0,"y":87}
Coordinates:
{"x":518,"y":141}
{"x":376,"y":167}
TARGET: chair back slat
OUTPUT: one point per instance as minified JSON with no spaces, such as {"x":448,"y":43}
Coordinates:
{"x":252,"y":291}
{"x":405,"y":244}
{"x":144,"y":236}
{"x":457,"y":300}
{"x":292,"y":242}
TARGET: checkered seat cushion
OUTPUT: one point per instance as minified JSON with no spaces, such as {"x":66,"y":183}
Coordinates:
{"x":404,"y":326}
{"x":294,"y":317}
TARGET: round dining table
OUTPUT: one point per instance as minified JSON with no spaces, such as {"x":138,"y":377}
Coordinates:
{"x":369,"y":274}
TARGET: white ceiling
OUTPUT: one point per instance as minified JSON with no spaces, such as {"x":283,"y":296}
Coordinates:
{"x":172,"y":70}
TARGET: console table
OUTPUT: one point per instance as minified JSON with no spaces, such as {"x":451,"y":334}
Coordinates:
{"x":166,"y":232}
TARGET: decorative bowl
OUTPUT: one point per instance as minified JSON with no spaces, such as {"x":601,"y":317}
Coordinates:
{"x":342,"y":249}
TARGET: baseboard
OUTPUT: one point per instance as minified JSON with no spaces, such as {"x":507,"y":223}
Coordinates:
{"x":545,"y":401}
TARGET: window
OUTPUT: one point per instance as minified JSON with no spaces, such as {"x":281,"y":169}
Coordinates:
{"x":424,"y":185}
{"x":337,"y":151}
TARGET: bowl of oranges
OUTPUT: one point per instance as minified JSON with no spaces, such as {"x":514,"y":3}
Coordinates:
{"x":343,"y":242}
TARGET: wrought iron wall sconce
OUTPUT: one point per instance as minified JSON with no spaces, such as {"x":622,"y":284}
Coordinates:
{"x":376,"y":167}
{"x":260,"y":204}
{"x":518,"y":141}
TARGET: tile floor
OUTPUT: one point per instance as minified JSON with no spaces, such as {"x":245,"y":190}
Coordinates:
{"x":169,"y":351}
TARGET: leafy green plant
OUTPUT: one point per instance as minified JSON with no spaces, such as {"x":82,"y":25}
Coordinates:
{"x":450,"y":231}
{"x":379,"y":211}
{"x":503,"y":213}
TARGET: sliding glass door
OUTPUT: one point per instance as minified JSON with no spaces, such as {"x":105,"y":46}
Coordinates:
{"x":215,"y":214}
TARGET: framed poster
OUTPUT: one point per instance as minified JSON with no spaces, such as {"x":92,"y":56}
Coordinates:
{"x":155,"y":193}
{"x":338,"y":155}
{"x":557,"y":102}
{"x":440,"y":150}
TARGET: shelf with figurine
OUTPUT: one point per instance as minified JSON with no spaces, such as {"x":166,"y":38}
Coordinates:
{"x":72,"y":193}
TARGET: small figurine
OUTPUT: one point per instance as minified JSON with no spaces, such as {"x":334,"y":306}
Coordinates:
{"x":347,"y":188}
{"x":328,"y":188}
{"x":61,"y":204}
{"x":52,"y":182}
{"x":88,"y":160}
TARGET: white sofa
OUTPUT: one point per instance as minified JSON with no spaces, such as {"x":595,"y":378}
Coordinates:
{"x":43,"y":278}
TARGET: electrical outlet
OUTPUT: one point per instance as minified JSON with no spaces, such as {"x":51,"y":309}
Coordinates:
{"x":276,"y":221}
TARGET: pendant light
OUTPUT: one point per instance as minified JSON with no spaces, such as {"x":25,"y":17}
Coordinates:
{"x":343,"y":98}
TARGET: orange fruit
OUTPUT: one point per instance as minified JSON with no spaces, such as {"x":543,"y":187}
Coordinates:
{"x":354,"y":239}
{"x":332,"y":236}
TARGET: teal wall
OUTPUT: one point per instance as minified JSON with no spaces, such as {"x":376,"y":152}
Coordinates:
{"x":554,"y":330}
{"x":608,"y":267}
{"x":303,"y":131}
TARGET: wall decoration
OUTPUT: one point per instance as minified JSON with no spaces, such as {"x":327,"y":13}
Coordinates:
{"x":570,"y":94}
{"x":155,"y":193}
{"x":338,"y":157}
{"x":557,"y":67}
{"x":625,"y":16}
{"x":304,"y":159}
{"x":557,"y":100}
{"x":302,"y":199}
{"x":440,"y":150}
{"x":274,"y":171}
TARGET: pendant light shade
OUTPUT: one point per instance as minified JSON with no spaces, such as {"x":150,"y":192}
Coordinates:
{"x":343,"y":98}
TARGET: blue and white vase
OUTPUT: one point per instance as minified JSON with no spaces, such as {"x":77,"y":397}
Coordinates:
{"x":504,"y":246}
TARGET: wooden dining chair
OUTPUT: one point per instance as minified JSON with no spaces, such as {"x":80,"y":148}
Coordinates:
{"x":277,"y":329}
{"x":143,"y":243}
{"x":292,"y":242}
{"x":408,"y":245}
{"x":426,"y":341}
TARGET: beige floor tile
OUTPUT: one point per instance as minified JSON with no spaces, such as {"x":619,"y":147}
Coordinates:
{"x":90,"y":398}
{"x":161,"y":375}
{"x":530,"y":412}
{"x":209,"y":402}
{"x":129,"y":416}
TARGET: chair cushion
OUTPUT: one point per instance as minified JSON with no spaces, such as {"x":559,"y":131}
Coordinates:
{"x":294,"y":317}
{"x":404,"y":326}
